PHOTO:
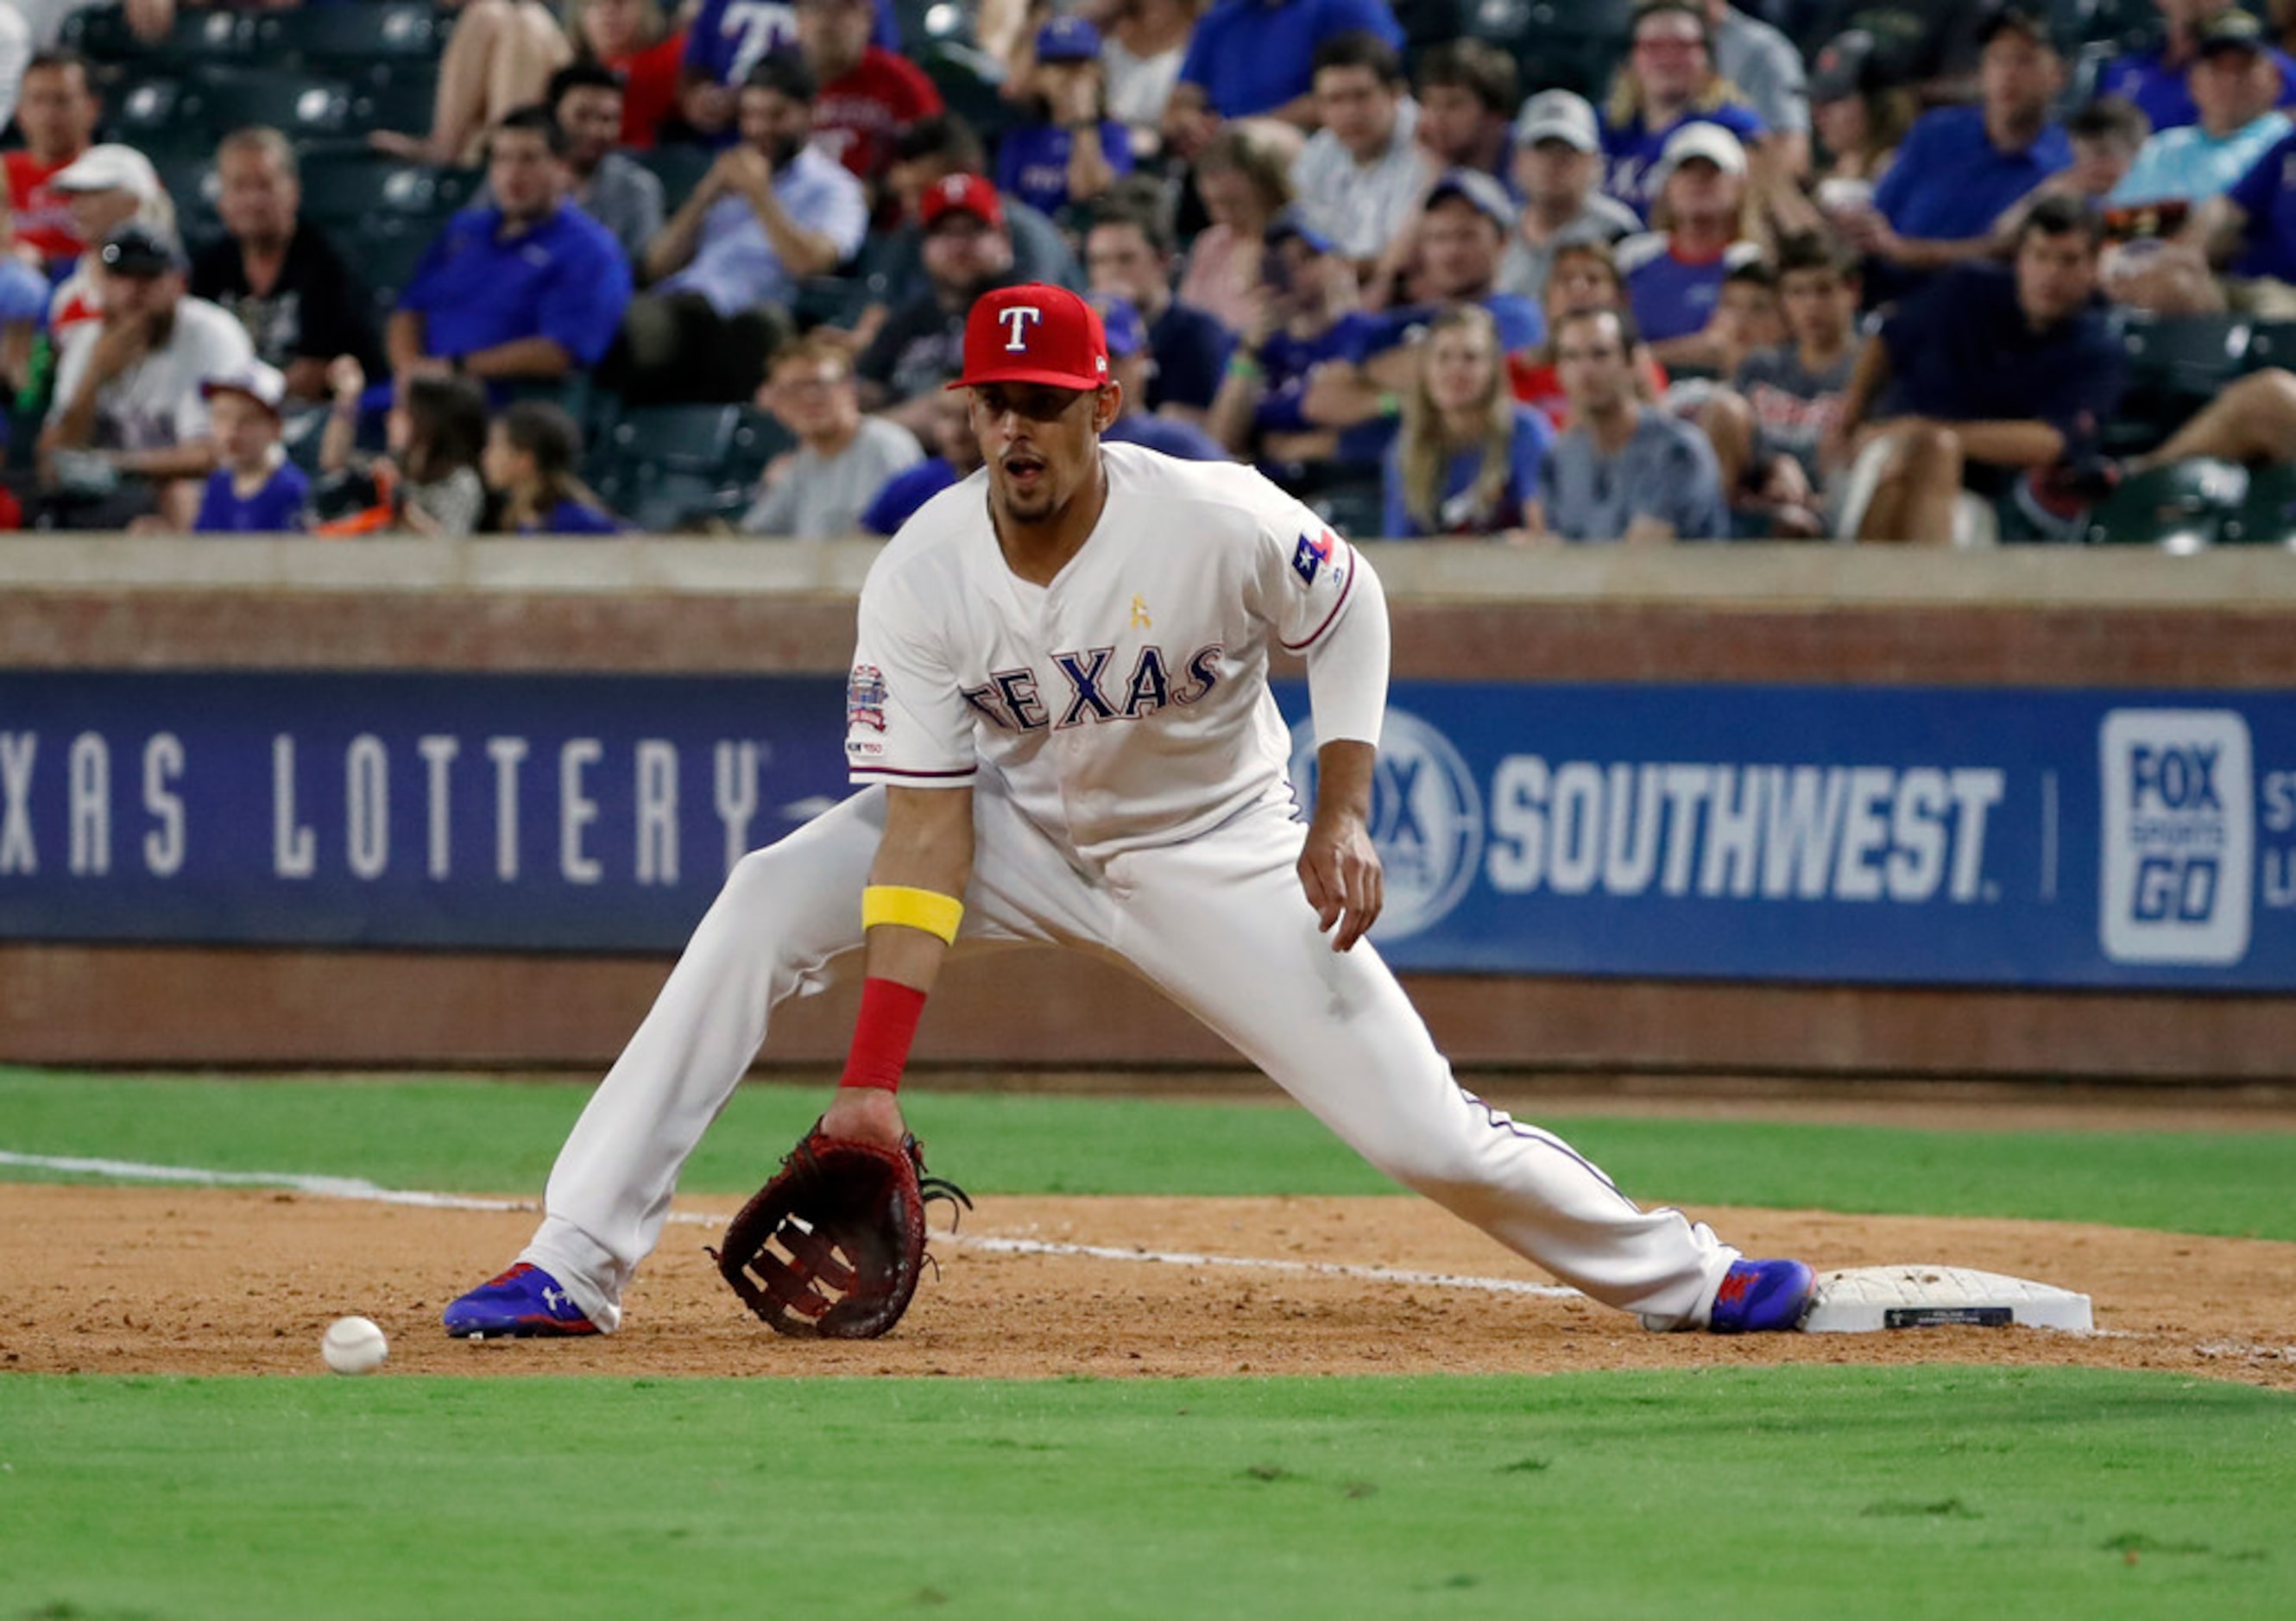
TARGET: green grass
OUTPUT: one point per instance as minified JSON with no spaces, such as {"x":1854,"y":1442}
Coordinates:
{"x":465,"y":1135}
{"x":1793,"y":1491}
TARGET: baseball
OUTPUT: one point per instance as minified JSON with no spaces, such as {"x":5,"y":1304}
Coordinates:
{"x":354,"y":1345}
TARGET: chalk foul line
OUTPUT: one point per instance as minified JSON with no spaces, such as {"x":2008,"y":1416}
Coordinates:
{"x":359,"y":1189}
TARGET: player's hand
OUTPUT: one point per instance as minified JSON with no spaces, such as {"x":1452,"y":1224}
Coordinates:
{"x":866,"y":1114}
{"x":1340,"y":873}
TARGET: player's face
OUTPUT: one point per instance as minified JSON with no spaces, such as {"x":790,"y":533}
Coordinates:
{"x":1041,"y":444}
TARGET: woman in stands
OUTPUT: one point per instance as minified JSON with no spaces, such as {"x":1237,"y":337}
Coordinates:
{"x":1244,"y":183}
{"x":499,"y":58}
{"x":529,"y":465}
{"x":1466,"y":459}
{"x":1668,"y":79}
{"x":429,"y":482}
{"x":1859,"y":118}
{"x":642,"y":43}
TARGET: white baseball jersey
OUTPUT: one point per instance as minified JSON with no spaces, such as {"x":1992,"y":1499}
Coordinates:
{"x":1126,"y":704}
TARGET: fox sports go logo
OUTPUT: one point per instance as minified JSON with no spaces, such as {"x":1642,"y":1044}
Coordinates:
{"x":1426,"y":820}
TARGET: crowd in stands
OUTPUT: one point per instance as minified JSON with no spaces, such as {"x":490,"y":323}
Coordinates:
{"x":1672,"y":270}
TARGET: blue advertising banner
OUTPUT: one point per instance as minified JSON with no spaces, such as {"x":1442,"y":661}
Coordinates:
{"x":1937,"y":836}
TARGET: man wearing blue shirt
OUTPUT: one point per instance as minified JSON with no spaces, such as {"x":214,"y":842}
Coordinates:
{"x":1249,"y":57}
{"x":772,"y":210}
{"x":1961,"y":168}
{"x":1127,"y":366}
{"x":528,"y":289}
{"x":1310,"y":324}
{"x":2235,"y":86}
{"x":1984,"y":372}
{"x":2157,"y":79}
{"x":1128,"y":254}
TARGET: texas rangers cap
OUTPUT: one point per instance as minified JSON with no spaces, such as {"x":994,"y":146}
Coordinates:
{"x":1067,"y":39}
{"x":960,"y":194}
{"x":1037,"y":333}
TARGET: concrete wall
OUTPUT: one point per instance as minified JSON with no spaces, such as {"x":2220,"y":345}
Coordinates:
{"x":2039,"y":617}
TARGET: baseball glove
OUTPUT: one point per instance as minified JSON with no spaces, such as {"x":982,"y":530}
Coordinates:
{"x":832,"y":1247}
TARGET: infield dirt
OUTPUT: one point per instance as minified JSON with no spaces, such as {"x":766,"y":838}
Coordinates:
{"x":106,"y":1280}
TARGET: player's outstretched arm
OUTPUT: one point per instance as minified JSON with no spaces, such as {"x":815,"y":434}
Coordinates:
{"x":1339,"y":867}
{"x":912,"y":908}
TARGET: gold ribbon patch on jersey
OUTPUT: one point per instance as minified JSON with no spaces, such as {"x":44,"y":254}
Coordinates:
{"x":1140,"y":619}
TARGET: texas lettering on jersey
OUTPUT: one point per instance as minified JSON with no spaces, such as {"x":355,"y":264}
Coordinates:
{"x":1015,"y":699}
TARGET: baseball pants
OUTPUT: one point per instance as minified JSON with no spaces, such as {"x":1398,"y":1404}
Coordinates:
{"x":1218,"y":924}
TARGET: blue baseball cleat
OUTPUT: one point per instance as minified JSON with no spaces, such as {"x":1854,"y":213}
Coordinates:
{"x":525,"y":1303}
{"x":1758,"y":1296}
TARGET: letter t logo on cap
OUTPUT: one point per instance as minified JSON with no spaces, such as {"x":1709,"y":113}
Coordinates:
{"x":1017,"y":320}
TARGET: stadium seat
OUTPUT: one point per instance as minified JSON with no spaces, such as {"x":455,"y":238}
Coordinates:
{"x":2271,"y":343}
{"x":1569,"y":44}
{"x":353,"y":37}
{"x":680,"y":169}
{"x":385,"y":250}
{"x":346,"y":189}
{"x":194,"y":187}
{"x":681,"y":438}
{"x":2266,"y":515}
{"x":968,"y":80}
{"x":2180,"y":508}
{"x":2175,"y":365}
{"x":404,"y":98}
{"x":158,"y":114}
{"x":759,"y":437}
{"x":2119,"y":25}
{"x":301,"y":106}
{"x":103,"y":36}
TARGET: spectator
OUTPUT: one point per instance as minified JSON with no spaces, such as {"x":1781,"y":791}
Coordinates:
{"x":1467,"y":457}
{"x":1769,"y":426}
{"x":637,"y":41}
{"x":928,"y":151}
{"x":772,"y":210}
{"x":527,"y":289}
{"x":609,"y":184}
{"x":1243,"y":184}
{"x":1960,"y":168}
{"x":1128,"y":255}
{"x":1460,"y":236}
{"x":1070,"y":150}
{"x":1668,"y":79}
{"x":15,"y":59}
{"x":1305,"y":318}
{"x":1584,"y":276}
{"x":498,"y":59}
{"x":2236,"y":87}
{"x":1127,"y":367}
{"x":843,"y":458}
{"x":1467,"y":105}
{"x":2106,"y":137}
{"x":105,"y":187}
{"x":957,"y":456}
{"x":1622,"y":471}
{"x":1860,"y":118}
{"x":300,"y":303}
{"x":55,"y":113}
{"x":1145,"y":41}
{"x":427,"y":479}
{"x":1360,"y":177}
{"x":1675,"y":274}
{"x":532,"y":451}
{"x":967,"y":252}
{"x":728,"y":39}
{"x":1983,"y":373}
{"x":1767,"y":70}
{"x":2157,"y":77}
{"x":128,"y":400}
{"x":1557,"y":160}
{"x":255,"y":489}
{"x":868,"y":94}
{"x":1249,"y":57}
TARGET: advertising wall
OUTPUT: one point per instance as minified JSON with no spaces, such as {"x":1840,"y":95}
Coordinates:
{"x":1813,"y":834}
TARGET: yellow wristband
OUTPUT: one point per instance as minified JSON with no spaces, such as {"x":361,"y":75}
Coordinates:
{"x":926,"y":909}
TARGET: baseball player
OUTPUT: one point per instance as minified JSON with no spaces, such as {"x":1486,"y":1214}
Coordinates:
{"x":1060,"y":714}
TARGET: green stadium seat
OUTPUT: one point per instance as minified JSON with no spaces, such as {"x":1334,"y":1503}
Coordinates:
{"x":680,"y":169}
{"x":404,"y":99}
{"x":2179,"y":507}
{"x":2271,"y":343}
{"x":103,"y":36}
{"x":1567,"y":44}
{"x":301,"y":106}
{"x":353,"y":37}
{"x":2266,"y":515}
{"x":968,"y":80}
{"x":349,"y":188}
{"x":683,"y":439}
{"x":2175,"y":365}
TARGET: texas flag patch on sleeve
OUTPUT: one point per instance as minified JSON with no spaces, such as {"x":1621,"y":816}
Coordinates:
{"x":1312,"y":553}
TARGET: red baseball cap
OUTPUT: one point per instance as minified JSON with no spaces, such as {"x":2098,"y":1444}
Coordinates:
{"x":1034,"y":333}
{"x":961,"y":195}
